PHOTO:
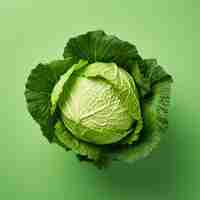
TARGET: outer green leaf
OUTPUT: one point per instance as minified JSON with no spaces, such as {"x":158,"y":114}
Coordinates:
{"x":38,"y":92}
{"x":155,"y":72}
{"x":155,"y":110}
{"x":142,"y":82}
{"x":59,"y":67}
{"x":96,"y":46}
{"x":92,"y":151}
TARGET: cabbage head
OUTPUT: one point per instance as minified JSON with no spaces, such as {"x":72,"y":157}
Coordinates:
{"x":102,"y":101}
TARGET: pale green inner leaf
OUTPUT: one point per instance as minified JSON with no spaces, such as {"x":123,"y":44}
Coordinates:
{"x":103,"y":99}
{"x":58,"y":88}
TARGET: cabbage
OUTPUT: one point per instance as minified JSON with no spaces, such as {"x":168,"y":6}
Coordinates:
{"x":102,"y":101}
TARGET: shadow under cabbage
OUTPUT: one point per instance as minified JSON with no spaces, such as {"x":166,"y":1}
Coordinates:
{"x":155,"y":174}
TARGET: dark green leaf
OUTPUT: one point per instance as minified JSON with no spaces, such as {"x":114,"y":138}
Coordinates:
{"x":98,"y":46}
{"x":38,"y":93}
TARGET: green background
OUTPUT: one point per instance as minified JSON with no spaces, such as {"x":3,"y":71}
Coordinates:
{"x":36,"y":31}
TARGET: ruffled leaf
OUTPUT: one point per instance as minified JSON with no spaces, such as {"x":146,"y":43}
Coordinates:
{"x":38,"y":93}
{"x":143,"y":83}
{"x":97,"y":46}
